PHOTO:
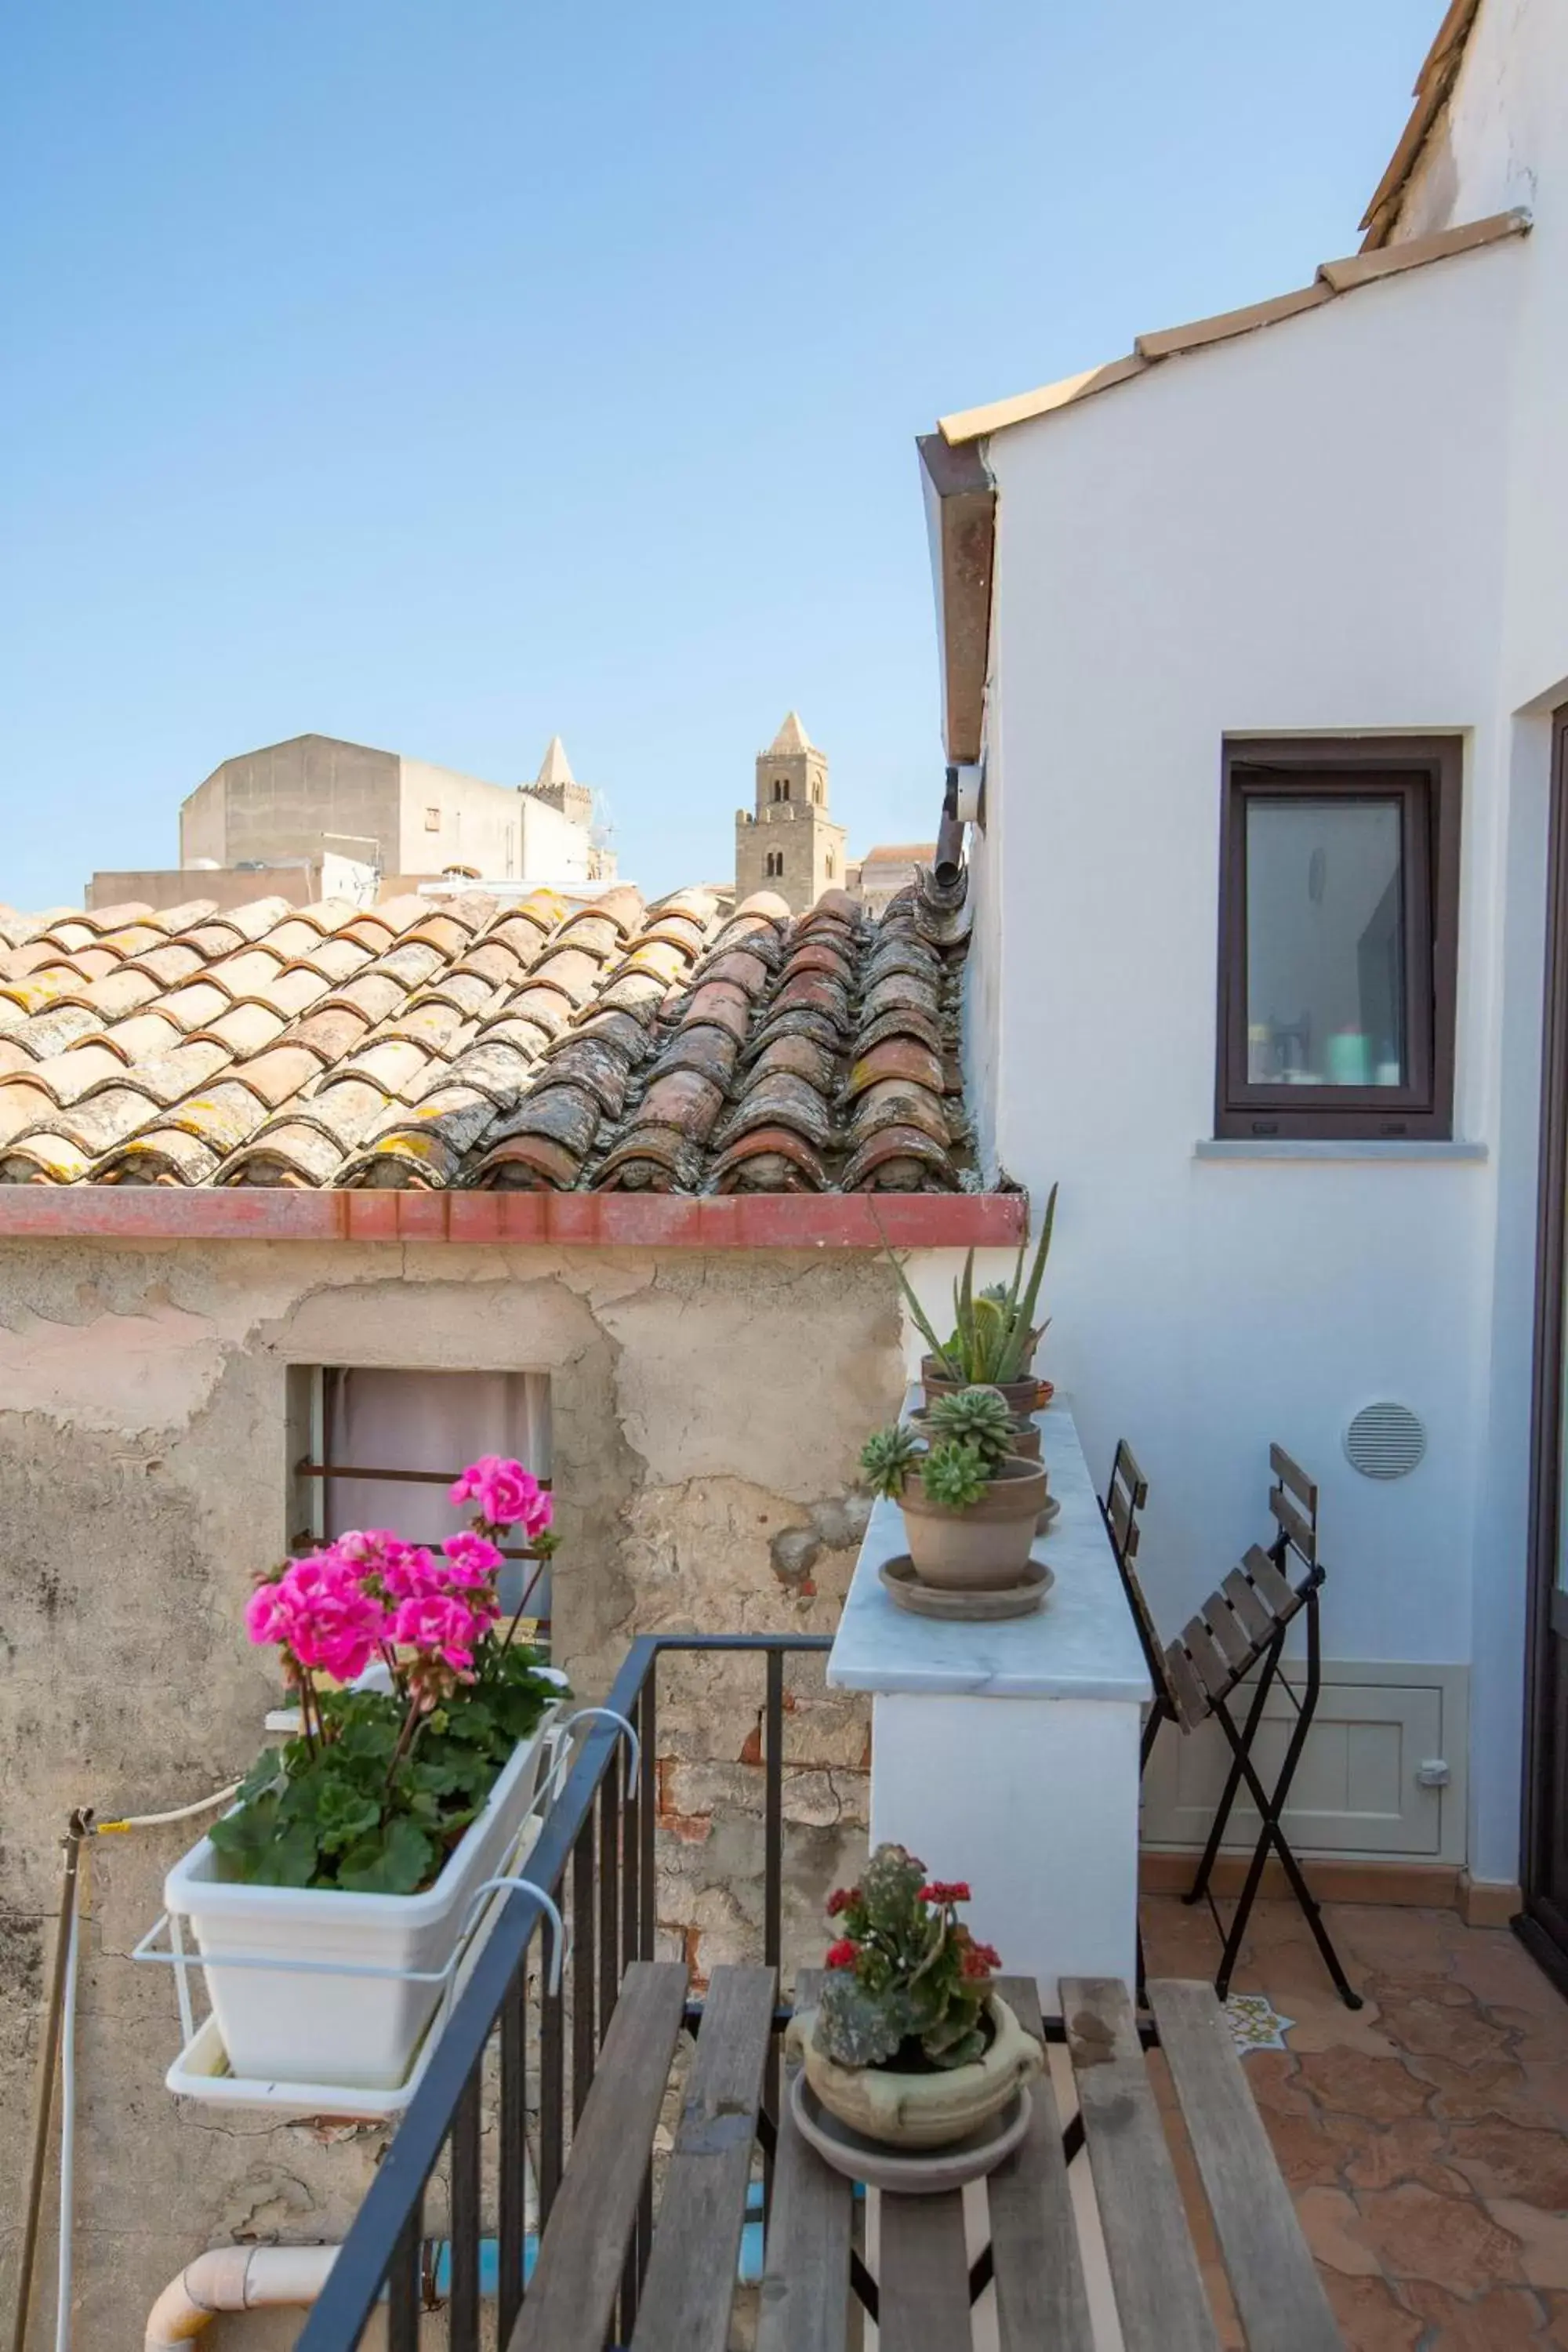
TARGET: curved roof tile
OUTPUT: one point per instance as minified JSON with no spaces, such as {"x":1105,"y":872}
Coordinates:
{"x":683,"y":1047}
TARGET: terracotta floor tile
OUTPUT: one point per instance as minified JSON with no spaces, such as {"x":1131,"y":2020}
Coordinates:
{"x":1320,"y":2020}
{"x":1505,"y":2320}
{"x":1423,"y":2136}
{"x":1412,"y":2149}
{"x":1506,"y":2160}
{"x":1347,"y":2083}
{"x":1456,"y":2243}
{"x":1329,"y":2221}
{"x":1431,"y":2029}
{"x":1273,"y":2077}
{"x":1544,"y":2239}
{"x":1370,"y":2318}
{"x":1308,"y":2152}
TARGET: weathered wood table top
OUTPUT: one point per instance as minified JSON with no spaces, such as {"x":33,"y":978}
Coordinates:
{"x":926,"y":2279}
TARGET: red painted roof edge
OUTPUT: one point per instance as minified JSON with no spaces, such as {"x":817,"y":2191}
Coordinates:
{"x":563,"y":1220}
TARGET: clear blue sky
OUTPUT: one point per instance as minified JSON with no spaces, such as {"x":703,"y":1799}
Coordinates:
{"x":444,"y":372}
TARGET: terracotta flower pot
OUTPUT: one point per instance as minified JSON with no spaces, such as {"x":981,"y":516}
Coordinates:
{"x":924,"y":2110}
{"x":984,"y":1546}
{"x":1022,"y":1395}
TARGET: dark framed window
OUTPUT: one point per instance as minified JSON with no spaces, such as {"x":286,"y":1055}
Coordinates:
{"x":1339,"y":919}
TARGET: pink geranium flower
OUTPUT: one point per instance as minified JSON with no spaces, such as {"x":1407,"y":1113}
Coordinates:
{"x":472,"y":1561}
{"x":505,"y":1495}
{"x":320,"y":1613}
{"x":441,"y":1626}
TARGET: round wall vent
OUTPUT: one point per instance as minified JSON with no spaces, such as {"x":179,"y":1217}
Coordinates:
{"x":1385,"y":1441}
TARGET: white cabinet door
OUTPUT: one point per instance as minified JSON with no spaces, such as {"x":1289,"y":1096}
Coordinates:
{"x":1356,"y":1789}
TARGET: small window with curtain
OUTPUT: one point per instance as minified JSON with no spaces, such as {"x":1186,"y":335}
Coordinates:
{"x":1339,"y":915}
{"x":374,"y":1448}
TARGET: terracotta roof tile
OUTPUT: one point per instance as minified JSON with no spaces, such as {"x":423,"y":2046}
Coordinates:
{"x":673,"y":1047}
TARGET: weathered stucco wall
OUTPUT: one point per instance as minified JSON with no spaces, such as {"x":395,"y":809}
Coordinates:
{"x":707,"y":1413}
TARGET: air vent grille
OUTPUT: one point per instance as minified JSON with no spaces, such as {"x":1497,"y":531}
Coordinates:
{"x":1385,"y":1441}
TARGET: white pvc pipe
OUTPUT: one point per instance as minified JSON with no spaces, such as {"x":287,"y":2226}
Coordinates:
{"x":234,"y":2278}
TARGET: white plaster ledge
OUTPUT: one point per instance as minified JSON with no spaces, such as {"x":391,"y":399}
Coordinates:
{"x":1293,"y":1147}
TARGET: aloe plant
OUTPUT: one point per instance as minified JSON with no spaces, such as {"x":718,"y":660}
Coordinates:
{"x":993,"y":1334}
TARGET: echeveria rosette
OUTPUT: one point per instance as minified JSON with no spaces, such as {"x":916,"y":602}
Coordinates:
{"x":906,"y":1979}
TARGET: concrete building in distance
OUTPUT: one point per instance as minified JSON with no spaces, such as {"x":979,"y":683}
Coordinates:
{"x":321,"y":817}
{"x":788,"y":842}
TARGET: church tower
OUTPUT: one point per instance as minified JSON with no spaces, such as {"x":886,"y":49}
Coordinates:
{"x":788,"y":843}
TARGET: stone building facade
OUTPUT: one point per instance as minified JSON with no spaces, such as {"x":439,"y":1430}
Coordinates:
{"x":787,"y":842}
{"x":146,"y":1452}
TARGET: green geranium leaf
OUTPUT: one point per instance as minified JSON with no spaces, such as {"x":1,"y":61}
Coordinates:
{"x":395,"y":1864}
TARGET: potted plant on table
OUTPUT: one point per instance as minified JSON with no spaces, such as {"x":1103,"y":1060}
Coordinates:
{"x":969,"y":1505}
{"x":994,"y":1338}
{"x":910,"y":2043}
{"x":362,"y":1841}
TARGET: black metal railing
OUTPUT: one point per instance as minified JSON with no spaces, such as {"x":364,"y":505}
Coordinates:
{"x":596,"y":1857}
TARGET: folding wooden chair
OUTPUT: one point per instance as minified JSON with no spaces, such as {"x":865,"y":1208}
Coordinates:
{"x":1240,"y":1626}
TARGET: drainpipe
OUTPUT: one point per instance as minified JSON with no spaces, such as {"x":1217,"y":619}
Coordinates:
{"x":234,"y":2278}
{"x":251,"y":2278}
{"x":947,"y":863}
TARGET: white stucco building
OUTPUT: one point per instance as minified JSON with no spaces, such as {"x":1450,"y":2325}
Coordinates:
{"x":1257,"y":635}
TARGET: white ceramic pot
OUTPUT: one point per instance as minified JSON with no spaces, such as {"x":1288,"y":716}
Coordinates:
{"x":918,"y":2111}
{"x":286,"y":2025}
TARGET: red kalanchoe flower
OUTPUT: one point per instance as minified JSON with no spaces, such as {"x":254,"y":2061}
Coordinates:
{"x":945,"y":1890}
{"x":840,"y":1899}
{"x":980,"y":1960}
{"x":843,"y":1955}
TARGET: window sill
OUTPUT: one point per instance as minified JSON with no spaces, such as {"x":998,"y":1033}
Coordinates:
{"x":1300,"y":1147}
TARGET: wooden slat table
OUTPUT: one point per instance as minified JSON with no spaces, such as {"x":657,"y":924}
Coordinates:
{"x":925,"y":2286}
{"x":689,"y":2284}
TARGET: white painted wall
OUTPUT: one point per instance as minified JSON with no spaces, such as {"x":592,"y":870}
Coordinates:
{"x":507,"y":835}
{"x":1315,"y":529}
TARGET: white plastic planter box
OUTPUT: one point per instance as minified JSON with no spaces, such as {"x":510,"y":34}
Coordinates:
{"x":289,"y":2024}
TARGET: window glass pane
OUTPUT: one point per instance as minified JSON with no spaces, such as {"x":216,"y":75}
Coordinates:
{"x":1325,"y":942}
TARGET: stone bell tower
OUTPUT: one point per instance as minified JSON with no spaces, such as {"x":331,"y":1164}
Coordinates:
{"x":788,"y":843}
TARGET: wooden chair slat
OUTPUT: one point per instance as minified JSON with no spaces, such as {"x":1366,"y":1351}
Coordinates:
{"x":923,"y":2294}
{"x":1192,"y":1705}
{"x":1275,"y":1592}
{"x":1122,"y":1531}
{"x":1212,"y":1670}
{"x":1041,"y":2294}
{"x":1291,"y":1475}
{"x":570,"y":2297}
{"x":1154,"y":2271}
{"x":805,"y":2269}
{"x":1230,"y":1635}
{"x":1126,"y":1467}
{"x":690,"y":2283}
{"x":1303,"y":1536}
{"x":1273,"y":2278}
{"x":1254,"y":1616}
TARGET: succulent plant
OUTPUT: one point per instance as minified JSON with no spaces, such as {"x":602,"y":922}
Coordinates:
{"x":954,"y":1475}
{"x":979,"y":1417}
{"x":887,"y":1458}
{"x":994,"y":1335}
{"x":906,"y":1979}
